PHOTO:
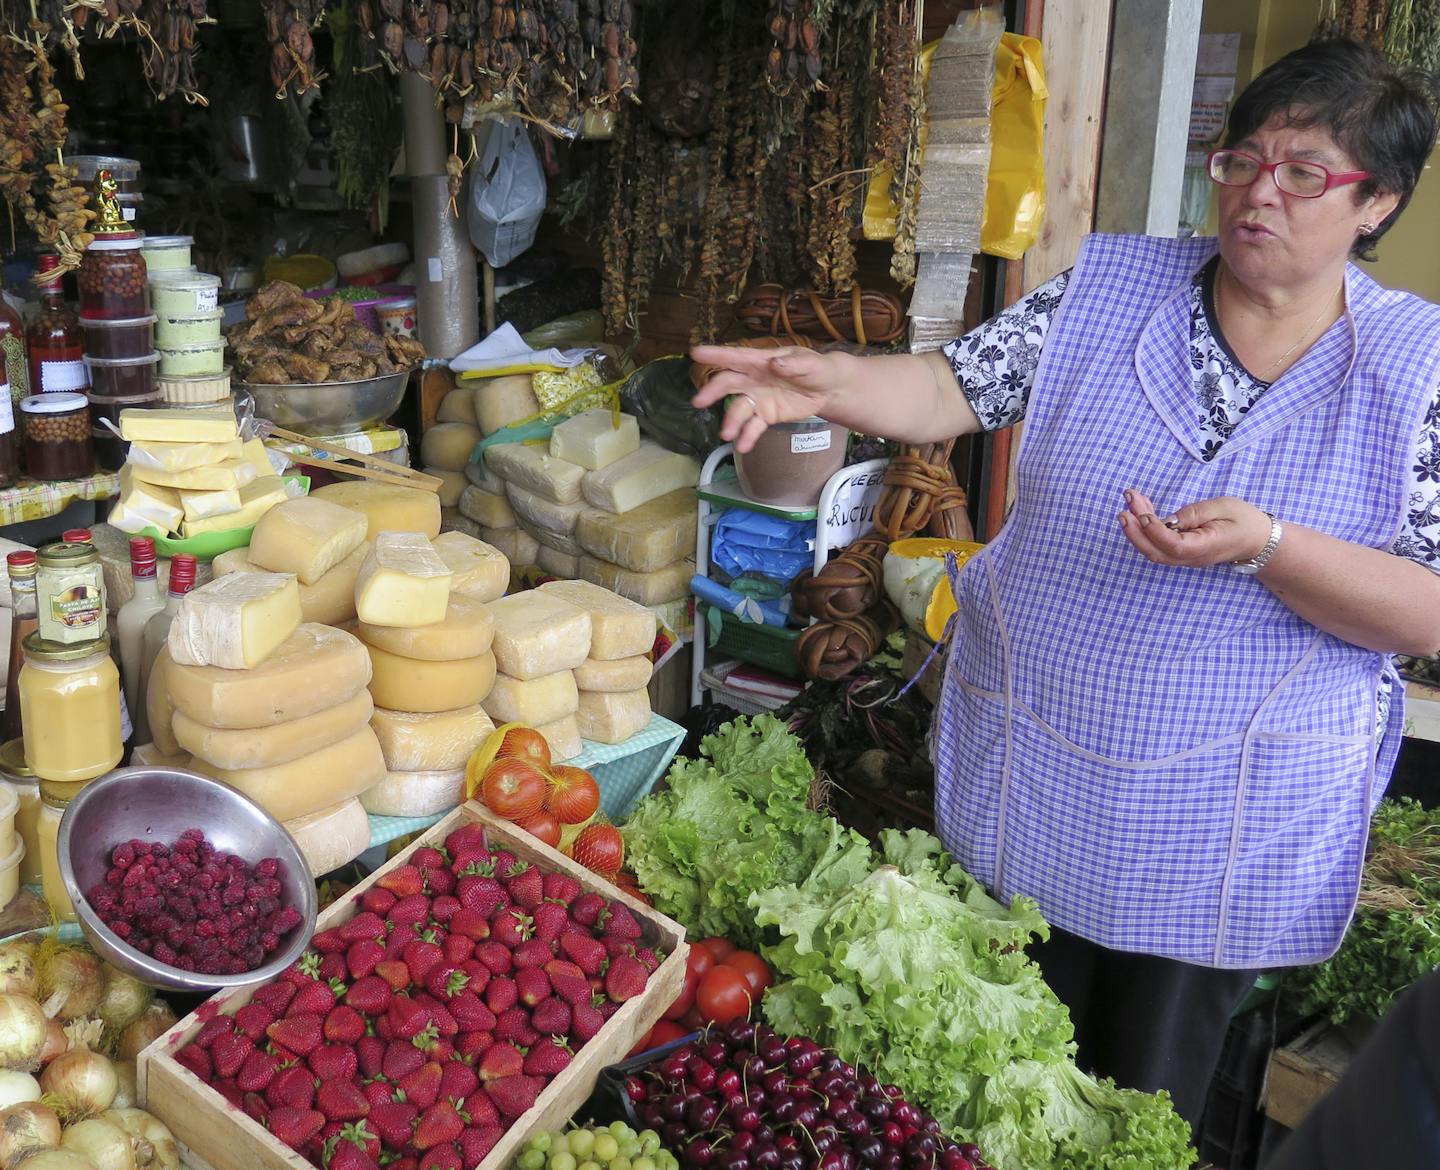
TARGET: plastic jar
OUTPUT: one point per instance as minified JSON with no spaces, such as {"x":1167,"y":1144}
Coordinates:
{"x":206,"y":388}
{"x":397,"y":316}
{"x":130,"y":206}
{"x":185,"y":295}
{"x":47,"y":834}
{"x":16,"y":773}
{"x":191,"y":361}
{"x":122,"y":377}
{"x":113,"y":280}
{"x":125,"y":171}
{"x":119,"y":338}
{"x":199,"y":329}
{"x":110,"y":449}
{"x":57,"y":436}
{"x":165,"y":253}
{"x":790,"y":462}
{"x":70,"y":703}
{"x":106,"y":407}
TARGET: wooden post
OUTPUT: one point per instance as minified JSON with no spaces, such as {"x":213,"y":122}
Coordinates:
{"x":488,"y":295}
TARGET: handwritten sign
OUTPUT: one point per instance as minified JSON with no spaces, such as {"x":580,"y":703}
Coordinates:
{"x":853,"y":512}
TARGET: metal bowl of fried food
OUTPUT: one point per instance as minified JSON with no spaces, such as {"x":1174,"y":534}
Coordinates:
{"x":328,"y":408}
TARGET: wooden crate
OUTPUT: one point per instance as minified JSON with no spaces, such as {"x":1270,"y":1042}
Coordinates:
{"x":1305,"y":1071}
{"x":214,"y":1134}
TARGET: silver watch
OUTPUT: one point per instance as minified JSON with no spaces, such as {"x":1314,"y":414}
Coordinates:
{"x":1262,"y":558}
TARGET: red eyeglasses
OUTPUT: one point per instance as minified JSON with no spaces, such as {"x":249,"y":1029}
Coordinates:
{"x":1304,"y":180}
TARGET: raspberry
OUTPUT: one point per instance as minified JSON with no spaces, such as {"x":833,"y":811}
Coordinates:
{"x":267,"y":867}
{"x":270,"y":941}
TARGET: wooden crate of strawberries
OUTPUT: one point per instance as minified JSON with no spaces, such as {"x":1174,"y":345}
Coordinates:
{"x":292,"y":1080}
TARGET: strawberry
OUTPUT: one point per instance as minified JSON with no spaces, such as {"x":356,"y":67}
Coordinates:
{"x":514,"y":1026}
{"x":533,"y":985}
{"x":422,"y":1087}
{"x":619,"y":922}
{"x":568,"y":981}
{"x":197,"y":1060}
{"x":482,"y":893}
{"x":328,"y":942}
{"x":468,"y":834}
{"x":291,"y":1088}
{"x":217,"y":1025}
{"x":607,"y":1008}
{"x":532,"y":953}
{"x":496,"y":956}
{"x":514,"y":1095}
{"x":363,"y":1135}
{"x":442,"y":1157}
{"x":586,"y":953}
{"x":442,"y":1051}
{"x":551,"y":1017}
{"x":256,"y":1107}
{"x":505,"y":864}
{"x":228,"y":1053}
{"x":441,"y":1018}
{"x":401,"y":1059}
{"x":441,"y":882}
{"x":254,"y":1018}
{"x":402,"y":881}
{"x":587,"y":908}
{"x":479,"y":974}
{"x":257,"y":1072}
{"x":301,"y":1034}
{"x":332,"y":1062}
{"x":585,"y":1021}
{"x":343,"y":1155}
{"x":470,"y":1013}
{"x":394,"y":1122}
{"x":457,"y":1081}
{"x":341,"y":1101}
{"x":625,"y":979}
{"x":473,"y":1045}
{"x":421,"y":954}
{"x":407,"y":1018}
{"x":481,"y":1111}
{"x":333,"y":969}
{"x":362,"y":956}
{"x":476,"y":1142}
{"x":511,"y":927}
{"x":394,"y":972}
{"x":473,"y":924}
{"x":370,"y":1054}
{"x":550,"y":920}
{"x":344,"y":1024}
{"x":377,"y":1092}
{"x":370,"y":995}
{"x":399,"y":939}
{"x":501,"y":994}
{"x":548,"y":1058}
{"x":294,"y":1126}
{"x":364,"y":925}
{"x":429,"y":857}
{"x":445,"y":906}
{"x":615,"y":946}
{"x":312,"y":997}
{"x":502,"y":1060}
{"x":412,"y":910}
{"x":525,"y":886}
{"x":275,"y":996}
{"x":409,"y":1162}
{"x":648,"y":959}
{"x":377,"y":900}
{"x":458,"y":948}
{"x":446,"y":981}
{"x":228,"y":1089}
{"x":561,"y":888}
{"x":303,"y":968}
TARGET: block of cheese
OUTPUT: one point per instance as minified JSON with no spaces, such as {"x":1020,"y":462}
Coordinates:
{"x":143,"y":505}
{"x":388,"y":507}
{"x":202,"y":505}
{"x":147,"y":755}
{"x":433,"y":741}
{"x":656,"y":588}
{"x":644,"y":475}
{"x":332,"y":837}
{"x":263,"y":747}
{"x":231,"y":475}
{"x":452,"y":484}
{"x":618,"y":674}
{"x":542,"y":513}
{"x":256,"y":499}
{"x":538,"y":633}
{"x":558,"y":564}
{"x":502,"y":401}
{"x":482,"y":477}
{"x":558,"y":541}
{"x":619,"y":628}
{"x":644,"y":539}
{"x":179,"y":426}
{"x":253,"y":451}
{"x":517,"y":545}
{"x":613,"y":716}
{"x":458,"y":406}
{"x":308,"y":783}
{"x":532,"y":701}
{"x":307,"y":537}
{"x":592,"y":439}
{"x":402,"y":583}
{"x":330,"y":601}
{"x":478,"y":570}
{"x":415,"y":794}
{"x":182,"y":456}
{"x":159,"y":708}
{"x":451,"y":520}
{"x":486,"y":508}
{"x":236,"y":621}
{"x":317,"y":667}
{"x":449,"y":444}
{"x":409,"y":684}
{"x":466,"y":631}
{"x":563,"y":738}
{"x":536,"y":470}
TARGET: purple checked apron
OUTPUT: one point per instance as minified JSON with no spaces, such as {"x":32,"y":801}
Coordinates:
{"x":1168,"y":759}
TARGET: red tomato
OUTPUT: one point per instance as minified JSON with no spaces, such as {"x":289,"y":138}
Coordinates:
{"x":723,"y":995}
{"x":525,"y":743}
{"x":574,"y":796}
{"x":757,"y":974}
{"x":513,"y":789}
{"x":641,"y":1045}
{"x":543,"y":826}
{"x":666,"y":1031}
{"x":721,"y":948}
{"x":599,"y":847}
{"x":685,"y":1000}
{"x":699,"y":960}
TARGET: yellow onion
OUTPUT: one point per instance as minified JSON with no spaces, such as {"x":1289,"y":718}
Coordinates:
{"x":70,"y":982}
{"x":123,"y":1000}
{"x":156,"y":1020}
{"x":56,"y":1042}
{"x":17,"y":1087}
{"x":17,"y":968}
{"x":58,"y":1159}
{"x":22,"y":1032}
{"x":126,"y":1091}
{"x":155,"y":1146}
{"x":106,"y":1145}
{"x":24,"y":1129}
{"x":83,"y":1083}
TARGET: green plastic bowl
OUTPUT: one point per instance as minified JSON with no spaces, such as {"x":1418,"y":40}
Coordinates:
{"x":212,"y":544}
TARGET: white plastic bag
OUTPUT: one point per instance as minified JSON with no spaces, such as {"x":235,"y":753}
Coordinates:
{"x":507,"y":192}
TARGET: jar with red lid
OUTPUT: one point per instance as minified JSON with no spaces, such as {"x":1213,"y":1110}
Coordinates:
{"x":53,"y":342}
{"x":113,"y":280}
{"x":57,"y":436}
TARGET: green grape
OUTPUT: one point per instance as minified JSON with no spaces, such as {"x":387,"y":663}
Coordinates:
{"x":542,"y":1141}
{"x":620,"y":1131}
{"x":589,"y":1165}
{"x":605,"y":1147}
{"x":629,"y":1148}
{"x":649,"y":1141}
{"x":620,"y":1163}
{"x":582,"y":1143}
{"x":643,"y":1163}
{"x":560,"y":1144}
{"x":564,"y":1160}
{"x":531,"y":1160}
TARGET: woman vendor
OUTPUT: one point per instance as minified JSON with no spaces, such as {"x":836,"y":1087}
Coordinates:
{"x":1170,"y":706}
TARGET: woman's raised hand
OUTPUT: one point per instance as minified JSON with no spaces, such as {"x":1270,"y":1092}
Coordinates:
{"x":765,"y":386}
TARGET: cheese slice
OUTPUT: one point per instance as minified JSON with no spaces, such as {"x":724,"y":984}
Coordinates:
{"x":486,"y":508}
{"x":449,"y":445}
{"x":532,"y":701}
{"x":644,"y":539}
{"x":264,"y":747}
{"x":504,"y":400}
{"x":147,"y":755}
{"x":542,"y":513}
{"x":311,"y":782}
{"x":538,"y":633}
{"x":563,"y":738}
{"x":317,"y":667}
{"x":179,"y":426}
{"x":592,"y":439}
{"x":668,"y":584}
{"x":415,"y":794}
{"x":236,"y":622}
{"x":477,"y":569}
{"x":330,"y":601}
{"x":256,"y":499}
{"x":557,"y":563}
{"x":536,"y":470}
{"x":231,"y":475}
{"x":143,"y":505}
{"x":253,"y":451}
{"x":332,"y":837}
{"x":307,"y":537}
{"x":619,"y":628}
{"x":430,"y":741}
{"x":388,"y":507}
{"x":466,"y":631}
{"x":408,"y":684}
{"x":202,"y":505}
{"x":613,"y":716}
{"x":616,"y":674}
{"x":452,"y":484}
{"x":515,"y":544}
{"x":644,"y":475}
{"x":183,"y":456}
{"x":402,"y":583}
{"x":159,"y":708}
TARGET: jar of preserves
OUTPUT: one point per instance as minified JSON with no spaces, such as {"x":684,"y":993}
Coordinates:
{"x":70,"y":594}
{"x":70,"y":705}
{"x":120,"y":337}
{"x":113,"y":280}
{"x":122,"y":377}
{"x":47,"y":841}
{"x":57,"y":436}
{"x":53,"y":341}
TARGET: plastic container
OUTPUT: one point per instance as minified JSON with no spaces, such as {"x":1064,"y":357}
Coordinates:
{"x":193,"y":361}
{"x":10,"y":873}
{"x":165,"y":253}
{"x":120,"y":338}
{"x":113,"y":280}
{"x":130,"y":206}
{"x":397,"y":316}
{"x":9,"y":806}
{"x":16,"y":773}
{"x":110,"y":448}
{"x":185,"y":294}
{"x":57,"y":436}
{"x":125,"y":171}
{"x":790,"y":462}
{"x":178,"y":332}
{"x":107,"y":407}
{"x":70,"y":702}
{"x":122,"y":377}
{"x":761,"y":645}
{"x":202,"y":389}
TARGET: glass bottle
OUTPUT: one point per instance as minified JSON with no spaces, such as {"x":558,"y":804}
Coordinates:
{"x":47,"y":833}
{"x":157,"y":629}
{"x":14,"y":385}
{"x":130,"y":625}
{"x":70,"y":701}
{"x":53,"y":342}
{"x":23,"y":623}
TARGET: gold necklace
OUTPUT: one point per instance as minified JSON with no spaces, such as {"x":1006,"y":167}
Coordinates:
{"x":1304,"y":337}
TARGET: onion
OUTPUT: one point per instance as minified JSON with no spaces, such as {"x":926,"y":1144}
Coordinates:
{"x":123,"y":1000}
{"x":156,"y":1020}
{"x":17,"y":968}
{"x":107,"y":1146}
{"x":58,"y":1160}
{"x":56,"y":1042}
{"x":70,"y":982}
{"x":125,"y":1092}
{"x":17,"y":1087}
{"x":147,"y":1130}
{"x":22,"y":1032}
{"x":25,"y":1129}
{"x":82,"y":1082}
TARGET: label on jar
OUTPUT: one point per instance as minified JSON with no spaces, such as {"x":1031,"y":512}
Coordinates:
{"x":7,"y":409}
{"x":207,"y":300}
{"x":127,"y":725}
{"x":72,"y":604}
{"x":805,"y":444}
{"x":61,"y":377}
{"x":128,"y":212}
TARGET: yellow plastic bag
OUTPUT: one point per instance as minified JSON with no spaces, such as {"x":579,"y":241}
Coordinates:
{"x":1015,"y":189}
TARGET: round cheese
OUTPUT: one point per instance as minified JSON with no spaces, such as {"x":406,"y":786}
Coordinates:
{"x":448,"y":445}
{"x":262,"y":747}
{"x":388,"y":507}
{"x":408,"y":684}
{"x":457,"y":406}
{"x":532,"y":701}
{"x":436,"y":741}
{"x":415,"y":794}
{"x":332,"y":837}
{"x":466,"y":631}
{"x":452,"y":483}
{"x":159,"y":708}
{"x":308,"y":783}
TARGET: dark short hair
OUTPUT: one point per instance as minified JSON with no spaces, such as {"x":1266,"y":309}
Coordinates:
{"x":1383,"y":116}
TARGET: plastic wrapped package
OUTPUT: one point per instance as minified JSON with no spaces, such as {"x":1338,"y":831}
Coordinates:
{"x":619,"y":627}
{"x":613,"y":716}
{"x":644,"y":539}
{"x":557,"y":541}
{"x":557,"y":563}
{"x":478,"y":570}
{"x":415,"y":794}
{"x":542,"y":513}
{"x":488,"y":509}
{"x":518,"y":545}
{"x":616,"y":674}
{"x":332,"y":837}
{"x":437,"y":741}
{"x":532,"y":701}
{"x":669,"y":583}
{"x":538,"y":634}
{"x":536,"y":470}
{"x":452,"y":520}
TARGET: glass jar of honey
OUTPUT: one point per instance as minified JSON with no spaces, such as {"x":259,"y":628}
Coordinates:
{"x":52,"y":885}
{"x":70,"y":706}
{"x":70,"y":593}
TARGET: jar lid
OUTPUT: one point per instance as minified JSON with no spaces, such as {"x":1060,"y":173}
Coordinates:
{"x":116,"y":322}
{"x":50,"y":800}
{"x":195,"y":347}
{"x":88,"y":164}
{"x":12,"y":760}
{"x":131,"y":243}
{"x":176,"y":318}
{"x":120,"y":399}
{"x":395,"y":303}
{"x":54,"y":403}
{"x":159,"y":242}
{"x":46,"y":650}
{"x":148,"y":359}
{"x":67,"y":555}
{"x":197,"y":280}
{"x":20,"y":558}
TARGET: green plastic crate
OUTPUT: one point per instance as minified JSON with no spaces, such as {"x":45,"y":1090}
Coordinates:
{"x":760,"y":645}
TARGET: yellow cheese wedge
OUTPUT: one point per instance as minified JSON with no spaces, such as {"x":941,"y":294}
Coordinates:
{"x":256,"y":500}
{"x":178,"y":426}
{"x":307,"y":537}
{"x":388,"y":507}
{"x":231,"y":475}
{"x":403,"y":582}
{"x":236,"y":621}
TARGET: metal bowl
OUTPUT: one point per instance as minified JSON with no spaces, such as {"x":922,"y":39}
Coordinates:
{"x":329,"y":408}
{"x":160,"y":804}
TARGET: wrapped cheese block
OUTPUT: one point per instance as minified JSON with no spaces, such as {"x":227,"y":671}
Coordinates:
{"x":532,"y":701}
{"x":257,"y":498}
{"x":646,"y":538}
{"x":231,"y":475}
{"x":558,"y":564}
{"x":311,"y":782}
{"x":613,"y":716}
{"x":432,"y":741}
{"x":449,"y":445}
{"x":263,"y":747}
{"x":481,"y":475}
{"x":617,"y":674}
{"x":538,"y":634}
{"x":595,"y":438}
{"x":458,"y":406}
{"x":502,"y":401}
{"x":216,"y":425}
{"x":518,"y":546}
{"x":668,"y":584}
{"x":387,"y":507}
{"x":563,"y":738}
{"x":415,"y":794}
{"x":557,"y":541}
{"x":542,"y":513}
{"x":536,"y":470}
{"x":619,"y":628}
{"x":452,"y":521}
{"x":330,"y":601}
{"x":477,"y":569}
{"x":486,"y":508}
{"x":642,"y":476}
{"x":332,"y":837}
{"x":452,"y":483}
{"x":466,"y":631}
{"x":307,"y":537}
{"x":410,"y":684}
{"x":403,"y":582}
{"x":236,"y":621}
{"x":182,"y":456}
{"x":159,"y":710}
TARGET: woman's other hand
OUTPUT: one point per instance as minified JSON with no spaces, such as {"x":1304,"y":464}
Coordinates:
{"x":765,"y":386}
{"x":1219,"y":531}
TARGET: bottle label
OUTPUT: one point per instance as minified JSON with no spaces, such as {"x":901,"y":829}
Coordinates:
{"x":207,"y":300}
{"x":63,"y":377}
{"x":128,"y":212}
{"x":804,"y":444}
{"x":71,"y":606}
{"x":17,"y":370}
{"x":7,"y":409}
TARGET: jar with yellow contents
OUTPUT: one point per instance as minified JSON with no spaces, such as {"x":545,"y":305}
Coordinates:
{"x":21,"y":778}
{"x":70,"y":707}
{"x":52,"y":884}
